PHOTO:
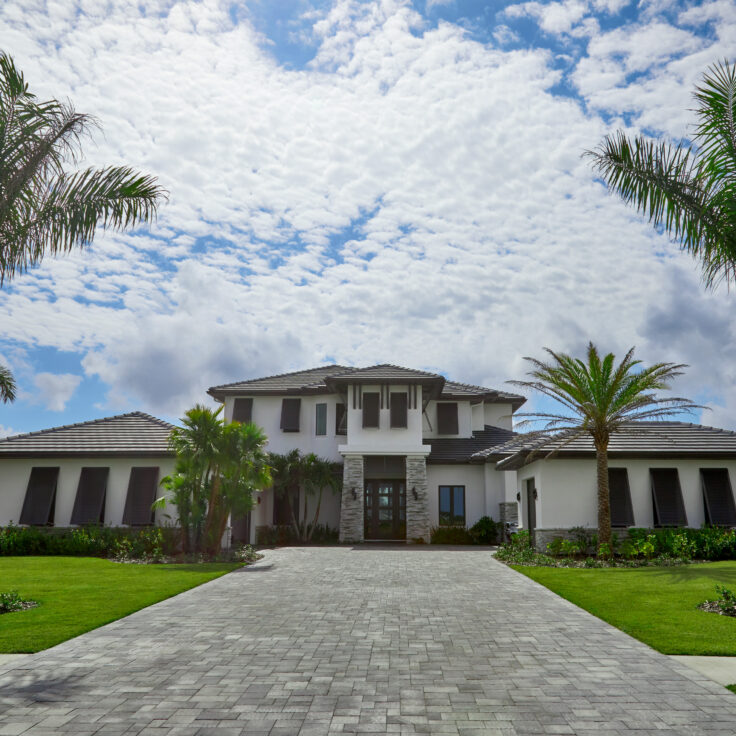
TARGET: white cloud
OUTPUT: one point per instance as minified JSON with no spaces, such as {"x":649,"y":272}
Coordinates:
{"x":414,"y":196}
{"x":555,"y":17}
{"x":55,"y":389}
{"x":503,"y":35}
{"x":6,"y":431}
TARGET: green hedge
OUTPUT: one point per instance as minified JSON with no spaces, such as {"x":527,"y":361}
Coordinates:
{"x":708,"y":543}
{"x":90,"y":541}
{"x":484,"y":531}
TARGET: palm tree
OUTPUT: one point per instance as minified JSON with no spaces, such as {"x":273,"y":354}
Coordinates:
{"x":688,"y":189}
{"x":7,"y":385}
{"x":601,"y":399}
{"x":44,"y":208}
{"x":218,"y":469}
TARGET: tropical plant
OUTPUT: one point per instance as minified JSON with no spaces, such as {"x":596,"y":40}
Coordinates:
{"x":219,"y":467}
{"x":7,"y":385}
{"x":688,"y":189}
{"x":601,"y":399}
{"x":308,"y":476}
{"x":43,"y":207}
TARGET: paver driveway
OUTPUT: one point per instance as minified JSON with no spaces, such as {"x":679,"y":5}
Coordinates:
{"x":332,"y":640}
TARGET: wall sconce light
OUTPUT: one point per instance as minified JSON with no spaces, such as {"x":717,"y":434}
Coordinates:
{"x":518,"y":496}
{"x":354,"y":491}
{"x":258,"y":500}
{"x":535,"y":494}
{"x":414,"y":493}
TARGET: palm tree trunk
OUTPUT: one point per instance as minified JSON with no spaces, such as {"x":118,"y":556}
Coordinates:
{"x":316,"y":516}
{"x":604,"y":502}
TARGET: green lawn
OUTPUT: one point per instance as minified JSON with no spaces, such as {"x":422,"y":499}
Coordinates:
{"x":657,"y":605}
{"x":77,"y":594}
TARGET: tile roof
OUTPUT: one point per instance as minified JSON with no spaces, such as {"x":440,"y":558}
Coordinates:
{"x":645,"y":439}
{"x":316,"y":380}
{"x":130,"y":434}
{"x":465,"y":449}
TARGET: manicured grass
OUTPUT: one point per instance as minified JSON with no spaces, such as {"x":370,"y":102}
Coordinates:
{"x":77,"y":594}
{"x":657,"y":605}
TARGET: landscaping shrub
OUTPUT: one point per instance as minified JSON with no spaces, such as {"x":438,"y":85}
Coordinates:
{"x":485,"y":531}
{"x":10,"y":602}
{"x":89,"y":541}
{"x":725,"y":604}
{"x":708,"y":543}
{"x":450,"y":535}
{"x":283,"y":535}
{"x":518,"y":551}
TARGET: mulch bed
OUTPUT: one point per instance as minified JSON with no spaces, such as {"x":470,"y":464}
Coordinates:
{"x":713,"y":607}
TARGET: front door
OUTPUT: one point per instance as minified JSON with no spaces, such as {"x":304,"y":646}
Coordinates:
{"x":385,"y":509}
{"x":531,"y":509}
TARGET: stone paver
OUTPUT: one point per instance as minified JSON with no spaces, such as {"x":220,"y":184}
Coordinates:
{"x":366,"y":641}
{"x":720,"y":669}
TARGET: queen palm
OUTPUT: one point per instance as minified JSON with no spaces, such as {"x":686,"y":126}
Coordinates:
{"x":600,"y":399}
{"x":687,"y":189}
{"x":45,"y":209}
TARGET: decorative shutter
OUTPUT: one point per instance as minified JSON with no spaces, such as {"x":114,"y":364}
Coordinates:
{"x":718,"y":497}
{"x":89,"y":504}
{"x":243,"y":410}
{"x":447,"y":418}
{"x":320,"y":419}
{"x":290,"y":410}
{"x":141,"y":495}
{"x":371,"y":409}
{"x":39,"y":503}
{"x":399,"y":403}
{"x":619,"y":495}
{"x":340,"y":419}
{"x":669,"y":509}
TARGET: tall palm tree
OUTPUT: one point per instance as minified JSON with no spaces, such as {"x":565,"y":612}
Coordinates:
{"x":43,"y":207}
{"x":7,"y":385}
{"x":600,"y":399}
{"x":688,"y":189}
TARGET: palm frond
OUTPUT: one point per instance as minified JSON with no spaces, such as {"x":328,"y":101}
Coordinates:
{"x":7,"y":385}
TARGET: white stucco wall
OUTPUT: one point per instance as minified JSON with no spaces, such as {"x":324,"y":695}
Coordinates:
{"x":15,"y":472}
{"x":470,"y":476}
{"x":567,"y":489}
{"x":267,"y":415}
{"x":498,"y":415}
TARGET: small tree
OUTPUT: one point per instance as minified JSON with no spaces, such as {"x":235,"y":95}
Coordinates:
{"x":218,"y":468}
{"x":294,"y":473}
{"x":601,"y":399}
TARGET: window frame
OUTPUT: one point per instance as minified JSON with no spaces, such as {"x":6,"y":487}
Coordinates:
{"x":320,"y":422}
{"x":239,"y":404}
{"x":286,"y":414}
{"x":453,"y":515}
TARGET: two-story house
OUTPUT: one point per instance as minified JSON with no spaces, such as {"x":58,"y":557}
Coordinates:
{"x":405,"y":439}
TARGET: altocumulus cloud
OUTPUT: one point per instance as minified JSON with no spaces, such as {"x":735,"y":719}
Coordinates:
{"x":414,"y":194}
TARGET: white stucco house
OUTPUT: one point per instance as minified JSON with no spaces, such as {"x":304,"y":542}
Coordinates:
{"x":417,"y":451}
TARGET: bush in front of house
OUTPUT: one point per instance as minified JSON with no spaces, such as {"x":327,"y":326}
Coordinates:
{"x":484,"y":531}
{"x":284,"y":535}
{"x":89,"y":541}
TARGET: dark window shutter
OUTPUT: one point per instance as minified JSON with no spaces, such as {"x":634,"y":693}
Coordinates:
{"x":39,"y":503}
{"x":371,"y":402}
{"x":321,"y":419}
{"x":340,"y":419}
{"x":89,"y":505}
{"x":619,"y":495}
{"x":445,"y":505}
{"x":290,"y":410}
{"x":718,"y":497}
{"x":141,"y":495}
{"x":669,"y":509}
{"x":243,"y":410}
{"x":399,"y":403}
{"x":447,"y":418}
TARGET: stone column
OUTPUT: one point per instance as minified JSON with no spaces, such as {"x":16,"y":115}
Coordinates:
{"x":417,"y":509}
{"x":351,"y":509}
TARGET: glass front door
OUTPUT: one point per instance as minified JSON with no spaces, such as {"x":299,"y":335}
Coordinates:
{"x":385,"y":509}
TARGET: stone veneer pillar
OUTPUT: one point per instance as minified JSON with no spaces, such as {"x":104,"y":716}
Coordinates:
{"x":417,"y":509}
{"x":352,"y":509}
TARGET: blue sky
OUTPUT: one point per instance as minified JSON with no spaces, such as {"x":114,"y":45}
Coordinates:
{"x":361,"y":182}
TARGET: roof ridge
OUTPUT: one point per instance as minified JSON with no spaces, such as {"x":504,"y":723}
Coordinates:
{"x":283,"y":375}
{"x":87,"y":423}
{"x":400,"y":367}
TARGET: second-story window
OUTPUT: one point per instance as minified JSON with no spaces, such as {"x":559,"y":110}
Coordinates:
{"x":290,"y":410}
{"x":341,"y":419}
{"x":447,"y":418}
{"x":398,"y":410}
{"x":371,"y":403}
{"x":320,"y":419}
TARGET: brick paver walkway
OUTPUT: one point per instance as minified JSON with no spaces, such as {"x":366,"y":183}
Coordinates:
{"x":334,"y":640}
